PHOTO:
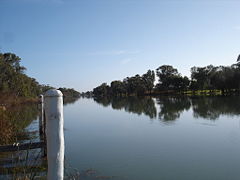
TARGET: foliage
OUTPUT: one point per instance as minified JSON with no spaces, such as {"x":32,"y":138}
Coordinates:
{"x":14,"y":82}
{"x":135,"y":85}
{"x":102,"y":90}
{"x":118,"y":87}
{"x":12,"y":77}
{"x":87,"y":94}
{"x":170,"y":79}
{"x":148,"y":80}
{"x":225,"y":78}
{"x":69,"y":92}
{"x":213,"y":78}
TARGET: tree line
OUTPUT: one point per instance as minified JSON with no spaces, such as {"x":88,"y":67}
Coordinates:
{"x":14,"y":81}
{"x":222,"y":78}
{"x":69,"y":92}
{"x":136,"y":85}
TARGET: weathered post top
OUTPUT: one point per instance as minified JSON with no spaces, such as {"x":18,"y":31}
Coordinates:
{"x":41,"y":97}
{"x":53,"y":93}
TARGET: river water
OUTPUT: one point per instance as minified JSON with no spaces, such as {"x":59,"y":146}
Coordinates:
{"x":163,"y":138}
{"x":167,"y":138}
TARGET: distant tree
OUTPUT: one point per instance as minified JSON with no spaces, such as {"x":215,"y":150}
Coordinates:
{"x":209,"y":77}
{"x":44,"y":88}
{"x":118,"y":88}
{"x":70,"y":92}
{"x":166,"y":74}
{"x":182,"y":83}
{"x":12,"y":77}
{"x":225,"y":78}
{"x":14,"y":62}
{"x":102,"y":90}
{"x":170,"y":79}
{"x":201,"y":76}
{"x":135,"y":85}
{"x":87,"y":94}
{"x":148,"y":80}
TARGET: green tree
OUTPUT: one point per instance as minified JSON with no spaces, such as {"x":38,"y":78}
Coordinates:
{"x":170,"y":79}
{"x":148,"y":79}
{"x":135,"y":85}
{"x":102,"y":90}
{"x":12,"y":77}
{"x":201,"y":76}
{"x":118,"y":88}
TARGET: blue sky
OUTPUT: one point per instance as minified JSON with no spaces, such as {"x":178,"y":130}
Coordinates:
{"x":82,"y":43}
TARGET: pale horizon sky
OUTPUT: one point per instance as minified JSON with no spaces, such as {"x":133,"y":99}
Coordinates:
{"x":82,"y":43}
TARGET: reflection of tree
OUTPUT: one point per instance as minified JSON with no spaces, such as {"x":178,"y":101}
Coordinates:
{"x":24,"y":164}
{"x":13,"y":121}
{"x":137,"y":105}
{"x":141,"y":105}
{"x":69,"y":100}
{"x":105,"y":101}
{"x":213,"y":107}
{"x":172,"y":107}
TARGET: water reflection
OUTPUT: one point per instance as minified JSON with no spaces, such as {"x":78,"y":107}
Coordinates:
{"x":14,"y":120}
{"x":213,"y":107}
{"x":170,"y":108}
{"x":69,"y":100}
{"x":15,"y":125}
{"x":137,"y":105}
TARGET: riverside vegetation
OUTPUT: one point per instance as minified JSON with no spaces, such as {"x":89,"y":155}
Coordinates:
{"x":18,"y":99}
{"x":204,"y":80}
{"x":119,"y":95}
{"x":16,"y":87}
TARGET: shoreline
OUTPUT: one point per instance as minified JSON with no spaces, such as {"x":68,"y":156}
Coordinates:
{"x":188,"y":93}
{"x":7,"y":101}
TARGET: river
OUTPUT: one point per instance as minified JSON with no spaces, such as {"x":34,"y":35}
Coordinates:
{"x":165,"y":138}
{"x":161,"y":138}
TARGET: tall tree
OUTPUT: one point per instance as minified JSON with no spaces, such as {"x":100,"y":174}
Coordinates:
{"x":170,"y":79}
{"x":148,"y":79}
{"x":12,"y":77}
{"x":118,"y":88}
{"x":102,"y":90}
{"x":200,"y":75}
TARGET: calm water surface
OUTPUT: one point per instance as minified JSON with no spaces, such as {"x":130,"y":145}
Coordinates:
{"x":155,"y":138}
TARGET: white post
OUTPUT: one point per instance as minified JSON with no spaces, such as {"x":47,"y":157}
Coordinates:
{"x":42,"y":112}
{"x":53,"y":106}
{"x":41,"y":119}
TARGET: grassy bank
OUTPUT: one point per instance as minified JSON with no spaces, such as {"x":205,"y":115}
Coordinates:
{"x":206,"y":92}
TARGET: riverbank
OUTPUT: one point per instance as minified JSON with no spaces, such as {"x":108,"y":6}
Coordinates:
{"x":189,"y":93}
{"x":8,"y":100}
{"x":214,"y":92}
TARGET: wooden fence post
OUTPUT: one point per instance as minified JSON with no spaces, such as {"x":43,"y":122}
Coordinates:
{"x":53,"y":107}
